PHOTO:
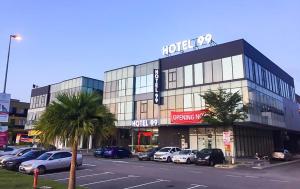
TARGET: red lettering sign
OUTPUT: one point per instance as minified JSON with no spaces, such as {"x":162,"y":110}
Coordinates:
{"x":188,"y":117}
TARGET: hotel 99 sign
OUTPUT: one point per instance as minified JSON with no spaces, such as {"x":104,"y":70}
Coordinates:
{"x":156,"y":87}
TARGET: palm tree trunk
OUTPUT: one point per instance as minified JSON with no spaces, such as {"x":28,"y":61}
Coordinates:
{"x":72,"y":177}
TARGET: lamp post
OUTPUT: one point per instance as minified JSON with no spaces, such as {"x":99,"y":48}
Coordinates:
{"x":16,"y":37}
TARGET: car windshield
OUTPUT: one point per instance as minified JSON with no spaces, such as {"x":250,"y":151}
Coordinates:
{"x":15,"y":151}
{"x":30,"y":154}
{"x":206,"y":151}
{"x":165,"y":149}
{"x":184,"y":152}
{"x":45,"y":156}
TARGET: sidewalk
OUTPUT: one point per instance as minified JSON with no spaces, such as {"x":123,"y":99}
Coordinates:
{"x":263,"y":164}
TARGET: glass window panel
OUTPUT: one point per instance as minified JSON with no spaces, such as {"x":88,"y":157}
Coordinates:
{"x":257,"y":73}
{"x":130,"y":71}
{"x":179,"y":77}
{"x":129,"y":107}
{"x":250,"y":69}
{"x":246,"y":64}
{"x":217,"y":70}
{"x":124,"y":73}
{"x":179,"y":102}
{"x":114,"y":75}
{"x":130,"y":83}
{"x":150,"y":109}
{"x":227,"y":68}
{"x":123,"y":84}
{"x":144,"y":69}
{"x":138,"y":82}
{"x":197,"y":100}
{"x":188,"y":101}
{"x":198,"y":70}
{"x":171,"y":102}
{"x":143,"y":81}
{"x":119,"y":73}
{"x":208,"y":72}
{"x":150,"y":80}
{"x":188,"y":75}
{"x":237,"y":65}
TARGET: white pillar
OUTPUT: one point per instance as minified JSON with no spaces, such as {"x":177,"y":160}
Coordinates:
{"x":90,"y":142}
{"x":81,"y":142}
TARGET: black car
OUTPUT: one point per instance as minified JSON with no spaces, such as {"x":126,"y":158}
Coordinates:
{"x":14,"y":163}
{"x":99,"y":152}
{"x":149,"y":154}
{"x":116,"y":152}
{"x":210,"y":157}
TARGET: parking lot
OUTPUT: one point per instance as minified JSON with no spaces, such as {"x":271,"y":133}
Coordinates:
{"x":131,"y":173}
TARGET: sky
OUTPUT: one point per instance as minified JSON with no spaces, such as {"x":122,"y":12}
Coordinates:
{"x":63,"y":39}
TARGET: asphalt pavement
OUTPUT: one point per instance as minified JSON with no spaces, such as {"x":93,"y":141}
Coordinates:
{"x":131,"y":173}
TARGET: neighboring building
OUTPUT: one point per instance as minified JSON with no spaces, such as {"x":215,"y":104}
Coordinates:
{"x":235,"y":66}
{"x":298,"y":101}
{"x":17,"y":118}
{"x":41,"y":97}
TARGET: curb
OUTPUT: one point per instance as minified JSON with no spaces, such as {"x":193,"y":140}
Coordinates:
{"x":221,"y":166}
{"x":277,"y":165}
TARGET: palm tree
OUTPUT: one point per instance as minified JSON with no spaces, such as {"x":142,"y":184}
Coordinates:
{"x":71,"y":116}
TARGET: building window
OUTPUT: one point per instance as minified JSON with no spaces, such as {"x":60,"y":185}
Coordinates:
{"x":188,"y":101}
{"x":237,"y":67}
{"x":217,"y":70}
{"x":208,"y":72}
{"x":198,"y":70}
{"x":227,"y":68}
{"x":144,"y":107}
{"x":172,"y":76}
{"x":188,"y":75}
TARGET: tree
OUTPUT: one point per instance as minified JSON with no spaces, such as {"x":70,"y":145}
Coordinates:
{"x":72,"y":116}
{"x":223,"y":108}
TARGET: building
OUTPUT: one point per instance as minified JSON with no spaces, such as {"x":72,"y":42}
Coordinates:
{"x":41,"y":97}
{"x":146,"y":97}
{"x":17,"y":119}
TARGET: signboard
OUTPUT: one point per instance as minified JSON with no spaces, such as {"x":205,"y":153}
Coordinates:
{"x":144,"y":123}
{"x":184,"y":45}
{"x":226,"y":141}
{"x":188,"y":117}
{"x":156,"y":87}
{"x":3,"y":135}
{"x":4,"y":107}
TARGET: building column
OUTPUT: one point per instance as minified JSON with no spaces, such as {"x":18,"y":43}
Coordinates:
{"x":81,"y":142}
{"x":90,"y":142}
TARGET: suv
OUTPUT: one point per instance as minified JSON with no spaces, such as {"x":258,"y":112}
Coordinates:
{"x":210,"y":157}
{"x":166,"y":154}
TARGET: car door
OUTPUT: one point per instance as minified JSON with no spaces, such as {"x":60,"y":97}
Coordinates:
{"x":66,"y":159}
{"x":121,"y":152}
{"x":54,"y":162}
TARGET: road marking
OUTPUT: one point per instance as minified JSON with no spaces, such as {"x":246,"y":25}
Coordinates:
{"x":197,"y":185}
{"x":249,"y":176}
{"x":233,"y":175}
{"x":91,"y":165}
{"x":103,"y":181}
{"x":47,"y":174}
{"x":274,"y":180}
{"x":118,"y":161}
{"x":157,"y":181}
{"x":105,"y":173}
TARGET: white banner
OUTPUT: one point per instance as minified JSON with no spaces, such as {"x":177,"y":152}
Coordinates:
{"x":4,"y":107}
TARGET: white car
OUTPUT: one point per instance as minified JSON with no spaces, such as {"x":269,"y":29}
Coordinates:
{"x":185,"y":156}
{"x":166,"y":154}
{"x":50,"y":161}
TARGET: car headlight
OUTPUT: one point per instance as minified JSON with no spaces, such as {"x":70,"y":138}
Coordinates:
{"x":207,"y":157}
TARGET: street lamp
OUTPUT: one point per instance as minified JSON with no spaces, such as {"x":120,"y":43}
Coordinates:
{"x":18,"y":38}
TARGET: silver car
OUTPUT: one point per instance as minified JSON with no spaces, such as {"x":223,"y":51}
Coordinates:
{"x":7,"y":150}
{"x":50,"y":161}
{"x":15,"y":153}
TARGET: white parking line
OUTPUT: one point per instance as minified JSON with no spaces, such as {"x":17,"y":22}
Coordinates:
{"x":118,"y":161}
{"x":233,"y":175}
{"x":47,"y":174}
{"x":103,"y":181}
{"x":197,"y":185}
{"x":105,"y":173}
{"x":274,"y":180}
{"x":157,"y":181}
{"x":91,"y":165}
{"x":249,"y":176}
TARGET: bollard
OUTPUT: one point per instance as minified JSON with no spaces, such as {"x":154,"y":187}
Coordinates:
{"x":35,"y":178}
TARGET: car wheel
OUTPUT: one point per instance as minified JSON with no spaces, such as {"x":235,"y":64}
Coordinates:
{"x":211,"y":163}
{"x":42,"y":169}
{"x":188,"y":161}
{"x":169,"y":159}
